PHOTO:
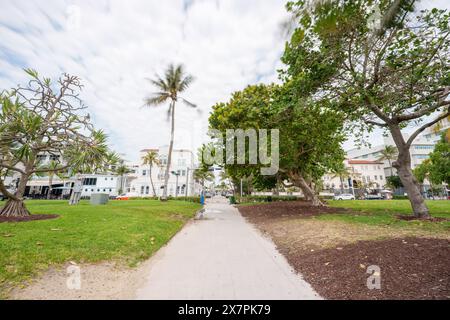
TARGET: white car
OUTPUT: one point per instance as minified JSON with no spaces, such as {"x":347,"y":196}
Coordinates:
{"x":344,"y":196}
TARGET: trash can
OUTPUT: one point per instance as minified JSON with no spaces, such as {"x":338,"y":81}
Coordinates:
{"x":99,"y":198}
{"x":232,"y":200}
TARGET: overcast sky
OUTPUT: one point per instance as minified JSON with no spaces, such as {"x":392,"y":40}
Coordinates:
{"x":114,"y":45}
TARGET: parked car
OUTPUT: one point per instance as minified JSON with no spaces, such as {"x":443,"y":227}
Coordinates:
{"x":127,"y":196}
{"x":344,"y":196}
{"x":373,"y":197}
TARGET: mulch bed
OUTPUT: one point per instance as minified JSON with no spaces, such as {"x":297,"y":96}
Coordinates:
{"x":286,"y":209}
{"x":413,"y":218}
{"x":29,"y":218}
{"x":410,"y":268}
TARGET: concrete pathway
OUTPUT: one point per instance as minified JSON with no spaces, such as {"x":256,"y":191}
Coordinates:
{"x":221,"y":256}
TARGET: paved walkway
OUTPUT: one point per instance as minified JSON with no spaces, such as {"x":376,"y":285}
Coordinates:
{"x":221,"y":257}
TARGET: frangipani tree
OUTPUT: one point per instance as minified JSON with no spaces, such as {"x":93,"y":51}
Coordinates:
{"x":45,"y":118}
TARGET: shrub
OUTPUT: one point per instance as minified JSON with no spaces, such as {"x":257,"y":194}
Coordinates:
{"x":399,"y":197}
{"x":250,"y":199}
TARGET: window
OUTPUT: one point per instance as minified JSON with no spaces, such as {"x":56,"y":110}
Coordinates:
{"x":85,"y":190}
{"x":421,"y":156}
{"x":112,"y":179}
{"x":183,"y":173}
{"x":89,"y":181}
{"x":376,"y":177}
{"x":104,"y":190}
{"x":41,"y":157}
{"x":144,"y":172}
{"x":424,"y":147}
{"x":381,"y":177}
{"x":147,"y":190}
{"x":54,"y":157}
{"x":142,"y":189}
{"x":110,"y":190}
{"x":106,"y":179}
{"x":365,"y":156}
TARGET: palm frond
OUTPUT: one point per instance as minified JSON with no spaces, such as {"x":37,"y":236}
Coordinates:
{"x":189,"y":104}
{"x":157,"y":99}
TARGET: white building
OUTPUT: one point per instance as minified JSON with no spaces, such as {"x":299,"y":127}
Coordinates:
{"x":419,"y":151}
{"x":100,"y":183}
{"x":180,"y":179}
{"x":367,"y":174}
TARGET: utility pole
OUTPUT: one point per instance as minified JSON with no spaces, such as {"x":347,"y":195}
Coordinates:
{"x":186,"y":192}
{"x":176,"y":174}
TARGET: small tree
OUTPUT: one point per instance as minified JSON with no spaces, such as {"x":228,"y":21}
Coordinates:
{"x":42,"y":118}
{"x":389,"y":154}
{"x":122,"y":170}
{"x":151,"y":159}
{"x":437,"y":168}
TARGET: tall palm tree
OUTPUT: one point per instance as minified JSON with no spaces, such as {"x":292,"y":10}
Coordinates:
{"x":175,"y":81}
{"x":389,"y":153}
{"x":150,"y":159}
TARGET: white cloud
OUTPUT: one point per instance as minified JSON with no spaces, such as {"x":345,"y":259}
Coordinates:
{"x":117,"y":44}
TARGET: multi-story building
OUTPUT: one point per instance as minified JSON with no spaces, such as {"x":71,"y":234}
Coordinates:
{"x":180,"y":182}
{"x":420,"y":150}
{"x":367,"y":174}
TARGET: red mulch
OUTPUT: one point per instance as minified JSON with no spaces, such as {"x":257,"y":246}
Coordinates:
{"x":285,"y":209}
{"x":29,"y":218}
{"x":410,"y":268}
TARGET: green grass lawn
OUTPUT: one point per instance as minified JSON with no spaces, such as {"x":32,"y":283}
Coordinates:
{"x":124,"y":231}
{"x":382,"y":212}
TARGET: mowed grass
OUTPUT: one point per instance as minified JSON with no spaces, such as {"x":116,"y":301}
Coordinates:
{"x":123,"y":231}
{"x":383,"y":212}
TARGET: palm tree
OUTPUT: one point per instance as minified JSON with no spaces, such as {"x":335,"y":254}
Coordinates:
{"x":201,"y":175}
{"x":150,"y":159}
{"x":121,"y":171}
{"x":389,"y":153}
{"x":175,"y":82}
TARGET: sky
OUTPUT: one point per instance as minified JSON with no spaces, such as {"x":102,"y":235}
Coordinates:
{"x":114,"y":46}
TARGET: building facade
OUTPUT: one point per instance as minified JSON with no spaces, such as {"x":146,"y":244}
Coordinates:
{"x":180,"y":182}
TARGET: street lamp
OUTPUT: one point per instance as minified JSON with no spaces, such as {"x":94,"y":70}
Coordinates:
{"x":177,"y":174}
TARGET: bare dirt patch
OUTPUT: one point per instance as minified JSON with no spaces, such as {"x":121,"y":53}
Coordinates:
{"x":101,"y":281}
{"x":333,"y":256}
{"x":31,"y":217}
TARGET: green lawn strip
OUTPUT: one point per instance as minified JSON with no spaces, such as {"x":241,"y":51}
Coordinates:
{"x":383,"y":212}
{"x":124,"y":231}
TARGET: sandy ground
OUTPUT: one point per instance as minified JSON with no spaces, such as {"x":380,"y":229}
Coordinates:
{"x":99,"y":281}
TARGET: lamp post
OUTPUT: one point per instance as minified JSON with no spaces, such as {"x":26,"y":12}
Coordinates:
{"x":176,"y":185}
{"x":186,"y":191}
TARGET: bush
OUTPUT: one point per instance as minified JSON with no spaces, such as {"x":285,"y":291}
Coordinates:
{"x":249,"y":199}
{"x":399,"y":197}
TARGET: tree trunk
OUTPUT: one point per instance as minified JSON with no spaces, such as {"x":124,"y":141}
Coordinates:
{"x":403,"y":166}
{"x":308,"y":192}
{"x":50,"y":189}
{"x":169,"y":156}
{"x":14,"y":208}
{"x":151,"y":181}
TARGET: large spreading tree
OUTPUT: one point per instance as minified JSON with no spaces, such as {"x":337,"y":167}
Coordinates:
{"x":310,"y":135}
{"x":381,"y":62}
{"x":45,"y":118}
